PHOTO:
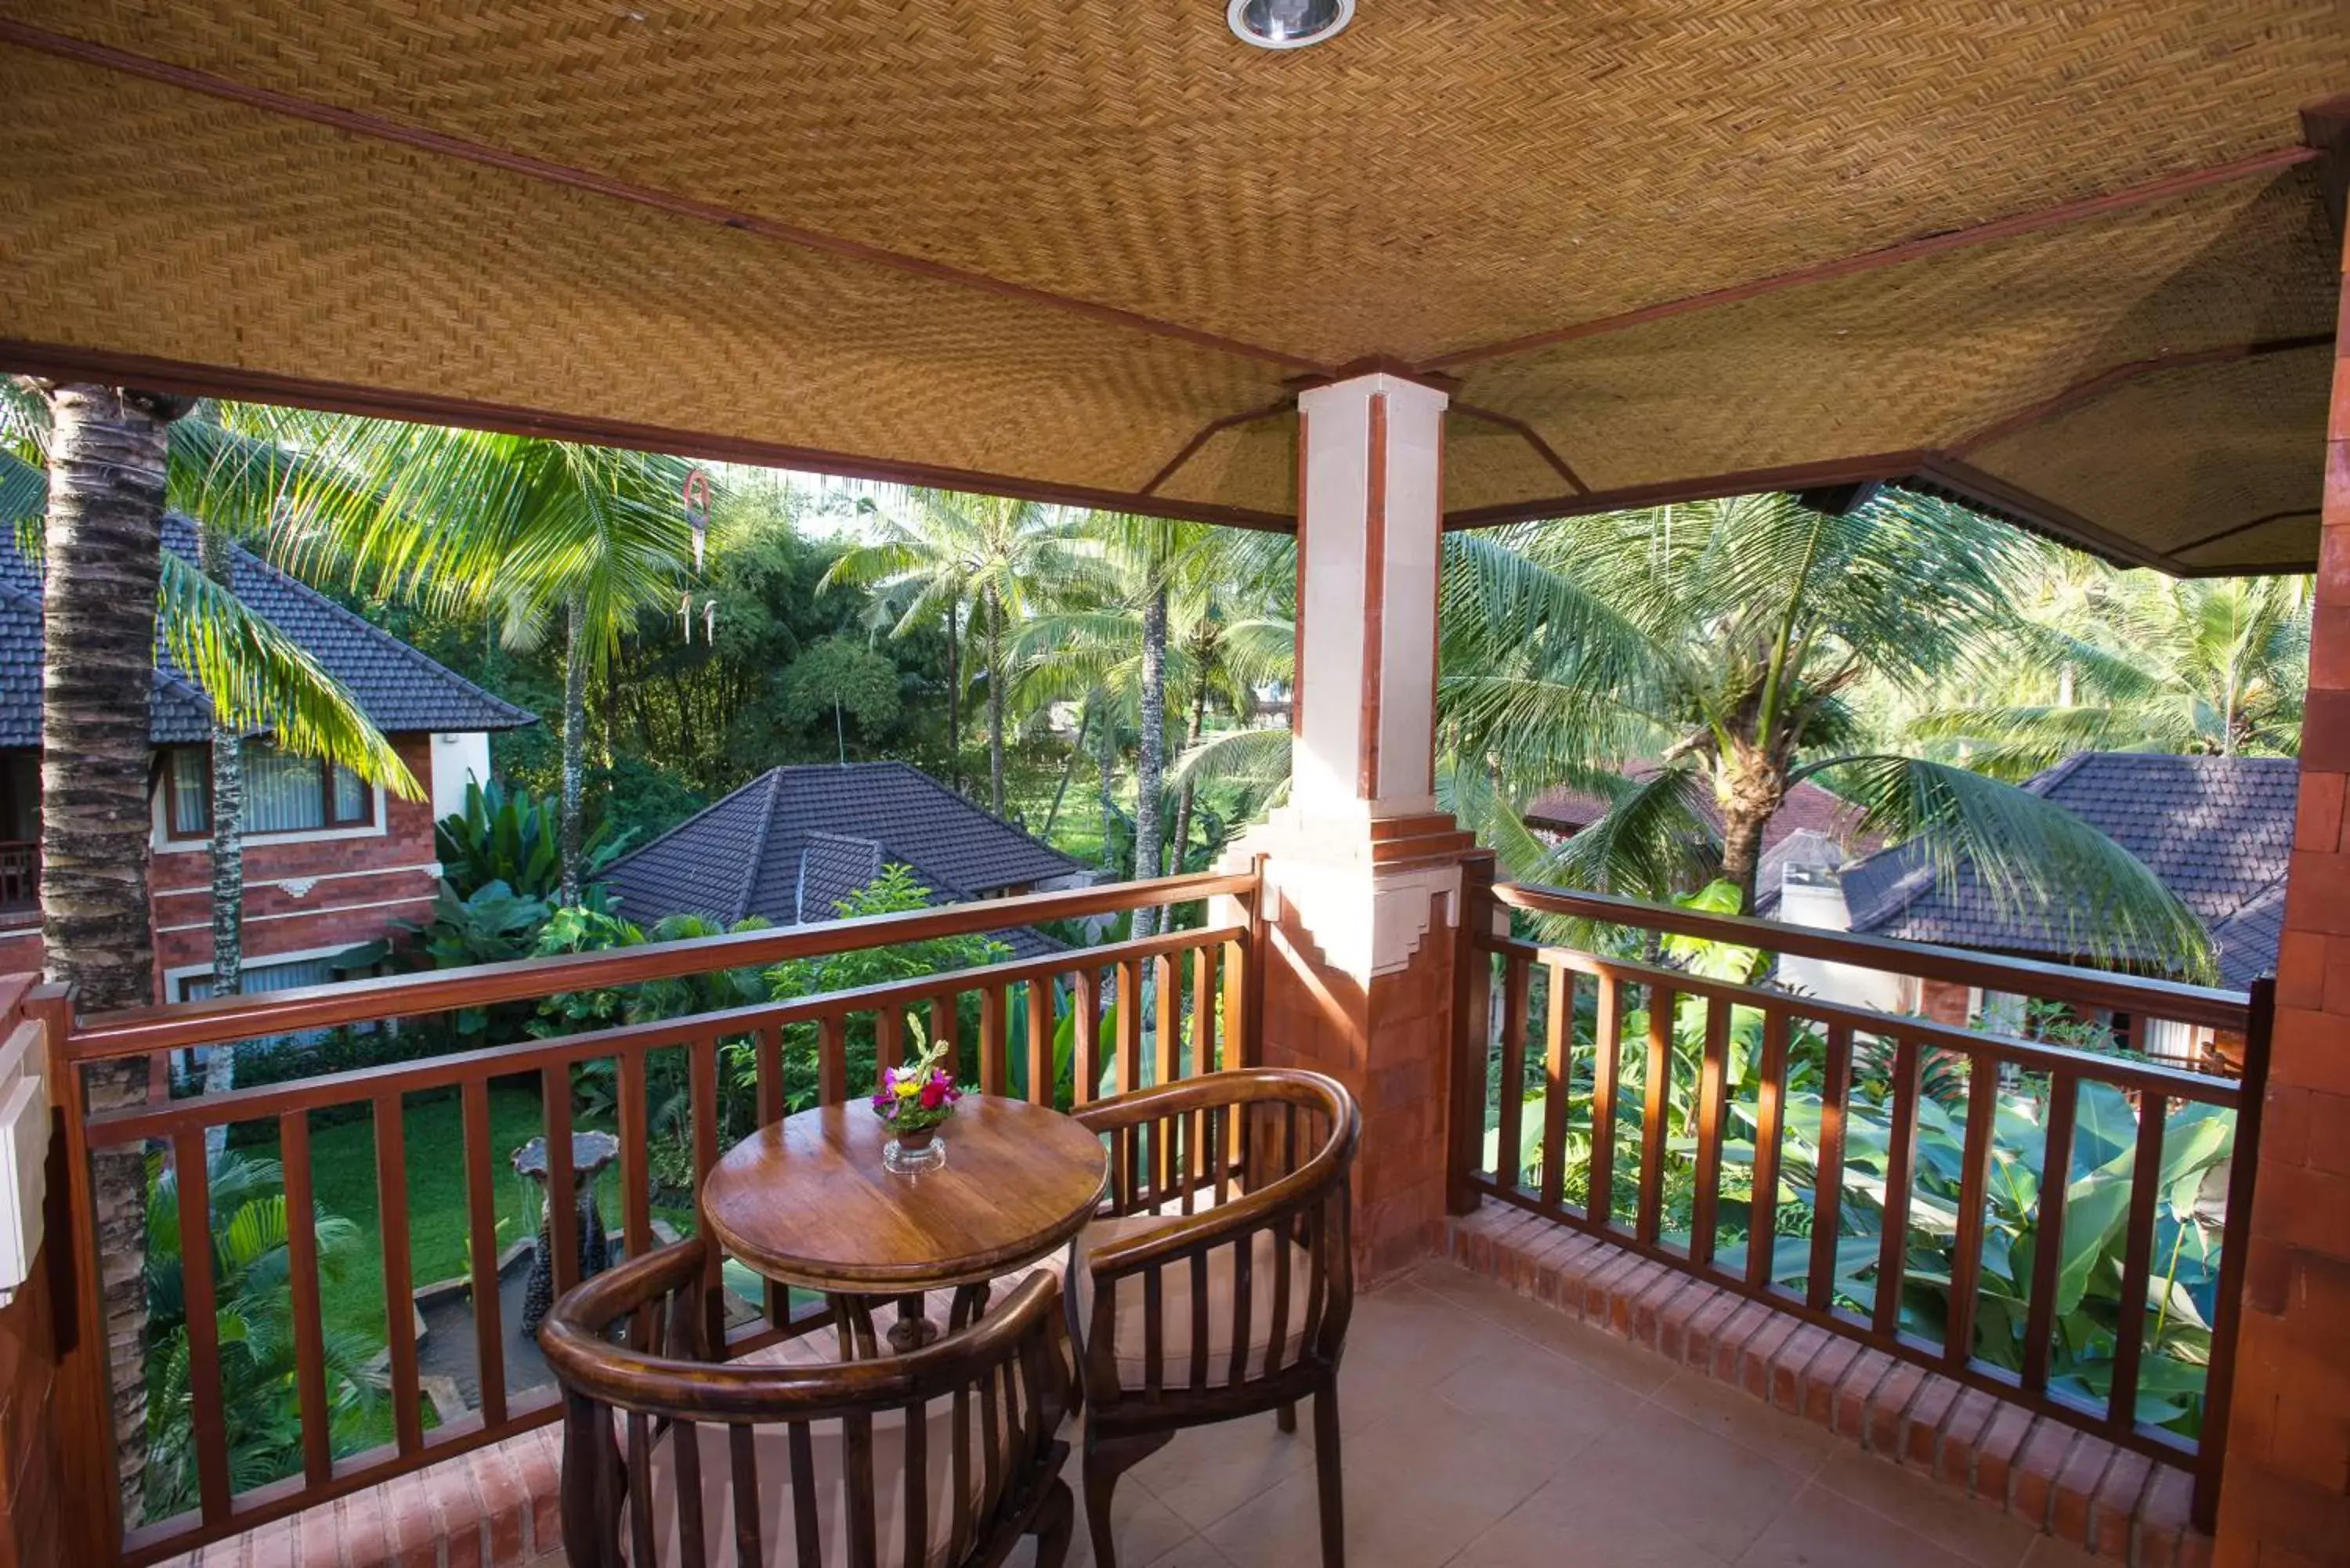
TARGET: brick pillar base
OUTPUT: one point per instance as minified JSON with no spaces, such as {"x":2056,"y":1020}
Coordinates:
{"x":1358,"y":984}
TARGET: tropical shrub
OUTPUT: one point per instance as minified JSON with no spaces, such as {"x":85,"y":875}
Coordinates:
{"x":514,"y":837}
{"x":252,"y":1289}
{"x":2089,"y":1309}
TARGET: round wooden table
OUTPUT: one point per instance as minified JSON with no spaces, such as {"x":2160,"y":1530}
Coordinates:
{"x":807,"y":1201}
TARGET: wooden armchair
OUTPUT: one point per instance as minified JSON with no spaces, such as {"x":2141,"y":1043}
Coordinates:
{"x":1218,"y":1282}
{"x":941,"y":1458}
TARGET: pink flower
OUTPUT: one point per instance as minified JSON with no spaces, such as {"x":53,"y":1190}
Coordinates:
{"x":936,"y":1093}
{"x":882,"y":1103}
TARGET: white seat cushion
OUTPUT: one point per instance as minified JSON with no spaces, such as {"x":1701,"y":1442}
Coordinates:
{"x":1267,"y":1256}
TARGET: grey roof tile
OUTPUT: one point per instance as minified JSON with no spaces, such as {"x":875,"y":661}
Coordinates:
{"x":2215,"y":830}
{"x":788,"y":844}
{"x":398,"y":688}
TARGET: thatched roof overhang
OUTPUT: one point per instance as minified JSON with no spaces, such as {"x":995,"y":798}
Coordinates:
{"x":2080,"y":267}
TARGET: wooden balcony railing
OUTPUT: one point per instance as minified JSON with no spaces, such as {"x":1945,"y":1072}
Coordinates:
{"x":1885,"y":1175}
{"x":1203,"y":992}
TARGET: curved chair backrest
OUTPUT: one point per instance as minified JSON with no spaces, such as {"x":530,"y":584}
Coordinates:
{"x":934,"y":1459}
{"x":1219,"y":1275}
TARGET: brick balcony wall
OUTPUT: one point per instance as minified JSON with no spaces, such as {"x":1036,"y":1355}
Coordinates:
{"x":2081,"y":1489}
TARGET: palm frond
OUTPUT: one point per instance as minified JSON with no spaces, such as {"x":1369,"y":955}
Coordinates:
{"x":257,"y":678}
{"x":2040,"y":863}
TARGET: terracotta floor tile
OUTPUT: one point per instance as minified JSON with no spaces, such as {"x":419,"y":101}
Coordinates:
{"x":1981,"y":1535}
{"x":1417,"y":1492}
{"x":1824,"y":1530}
{"x":1545,"y":1402}
{"x":1780,"y":1436}
{"x":1641,"y":1370}
{"x":1563,"y":1526}
{"x":1703,"y":1487}
{"x":2047,"y":1551}
{"x":1208,"y":1471}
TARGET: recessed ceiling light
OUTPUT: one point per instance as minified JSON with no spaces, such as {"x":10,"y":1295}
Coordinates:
{"x":1288,"y":23}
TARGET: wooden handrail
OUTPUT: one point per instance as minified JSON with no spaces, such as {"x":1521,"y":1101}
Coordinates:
{"x":139,"y":1031}
{"x":2031,"y":1055}
{"x":2205,"y":1006}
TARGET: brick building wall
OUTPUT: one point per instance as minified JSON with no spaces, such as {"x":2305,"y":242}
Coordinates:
{"x":2287,"y":1495}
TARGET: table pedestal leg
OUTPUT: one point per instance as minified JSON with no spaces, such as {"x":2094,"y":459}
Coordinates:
{"x":912,"y":1330}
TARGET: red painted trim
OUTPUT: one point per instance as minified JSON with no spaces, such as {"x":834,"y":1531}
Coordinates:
{"x":1297,"y":628}
{"x":1375,"y":589}
{"x":2260,"y":522}
{"x":360,"y":123}
{"x":1703,"y":487}
{"x":1542,"y":448}
{"x":1191,"y":447}
{"x":2105,"y":381}
{"x":1908,"y":250}
{"x":1436,"y":620}
{"x":59,"y":362}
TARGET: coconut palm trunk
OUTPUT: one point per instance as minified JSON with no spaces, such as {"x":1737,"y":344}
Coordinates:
{"x":954,"y":703}
{"x":1191,"y":733}
{"x":1068,"y":771}
{"x":227,"y":857}
{"x":109,"y":446}
{"x":1749,"y":795}
{"x":1151,"y":769}
{"x":1106,"y":740}
{"x":994,"y":702}
{"x":575,"y":736}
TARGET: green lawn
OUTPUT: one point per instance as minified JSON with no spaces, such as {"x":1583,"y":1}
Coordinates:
{"x":342,"y":1161}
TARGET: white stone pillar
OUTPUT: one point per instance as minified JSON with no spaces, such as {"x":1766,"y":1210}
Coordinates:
{"x":1371,"y":474}
{"x":1363,"y":876}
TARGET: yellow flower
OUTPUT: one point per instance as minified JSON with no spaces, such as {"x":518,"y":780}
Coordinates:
{"x":908,"y":1087}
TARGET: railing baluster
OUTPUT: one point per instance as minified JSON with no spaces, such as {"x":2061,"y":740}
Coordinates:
{"x":1508,"y":1140}
{"x":302,"y":1272}
{"x":1086,"y":1031}
{"x":562,"y":1208}
{"x":1203,"y":1010}
{"x":994,"y":1058}
{"x":1770,"y":1111}
{"x":1166,"y":1036}
{"x":1650,"y":1222}
{"x":767,"y":1054}
{"x":1974,"y":1181}
{"x":482,"y":1237}
{"x":1827,"y":1180}
{"x":2137,"y":1257}
{"x":946,"y":1023}
{"x":832,"y":1059}
{"x":1240,"y":1045}
{"x":1040,"y":1042}
{"x":636,"y":1195}
{"x":1558,"y":1066}
{"x":399,"y":1299}
{"x":888,"y":1041}
{"x":1901,"y":1161}
{"x":1127,"y":1067}
{"x":1606,"y":1046}
{"x":2048,"y":1231}
{"x":196,"y":1294}
{"x":1711,"y":1128}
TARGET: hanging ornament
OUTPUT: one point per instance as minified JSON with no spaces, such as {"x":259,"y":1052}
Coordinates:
{"x":685,"y":617}
{"x":697,"y":512}
{"x":710,"y":622}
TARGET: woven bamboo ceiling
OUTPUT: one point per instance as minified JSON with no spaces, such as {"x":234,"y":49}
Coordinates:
{"x":2073,"y":260}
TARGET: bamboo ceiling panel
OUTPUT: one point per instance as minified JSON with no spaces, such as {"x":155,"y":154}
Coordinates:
{"x":1440,"y":174}
{"x":1045,"y":248}
{"x":1919,"y":354}
{"x":2189,"y":454}
{"x":188,"y":224}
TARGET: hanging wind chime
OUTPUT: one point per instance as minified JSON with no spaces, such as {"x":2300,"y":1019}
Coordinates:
{"x":697,"y":518}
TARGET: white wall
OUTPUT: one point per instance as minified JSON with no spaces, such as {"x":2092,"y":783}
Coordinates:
{"x":1822,"y":906}
{"x":458,"y":759}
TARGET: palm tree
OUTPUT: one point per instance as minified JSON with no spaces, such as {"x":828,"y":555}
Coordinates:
{"x":86,"y":474}
{"x":1722,"y":640}
{"x":2215,"y":667}
{"x":533,"y":529}
{"x":977,"y":560}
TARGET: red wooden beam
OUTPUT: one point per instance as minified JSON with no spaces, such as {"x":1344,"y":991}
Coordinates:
{"x":2105,"y":381}
{"x":61,"y":363}
{"x":1190,"y":448}
{"x":1890,"y":255}
{"x":1542,"y":448}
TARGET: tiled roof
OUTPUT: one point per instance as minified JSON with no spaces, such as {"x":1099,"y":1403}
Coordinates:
{"x":2215,"y":830}
{"x":398,"y":688}
{"x":790,"y":843}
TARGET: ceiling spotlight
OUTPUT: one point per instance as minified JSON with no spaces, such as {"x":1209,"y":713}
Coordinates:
{"x":1288,"y":23}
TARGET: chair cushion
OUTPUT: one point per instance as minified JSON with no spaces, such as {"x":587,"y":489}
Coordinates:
{"x":778,"y":1518}
{"x":1267,"y":1256}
